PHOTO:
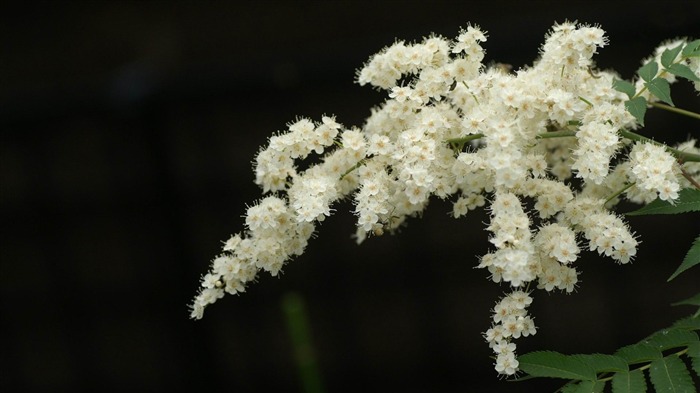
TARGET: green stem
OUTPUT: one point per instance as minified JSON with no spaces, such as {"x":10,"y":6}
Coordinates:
{"x":556,"y":134}
{"x":675,"y":110}
{"x":359,"y":164}
{"x":550,"y":134}
{"x":680,"y":155}
{"x":586,"y":101}
{"x":461,"y":141}
{"x":613,"y":196}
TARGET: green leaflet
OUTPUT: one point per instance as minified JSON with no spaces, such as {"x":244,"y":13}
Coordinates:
{"x":688,"y":201}
{"x":555,"y":365}
{"x":671,"y":338}
{"x":629,"y":382}
{"x":691,"y":259}
{"x":637,"y":107}
{"x":688,"y":323}
{"x":648,"y":71}
{"x":603,"y":363}
{"x":671,"y":375}
{"x":640,"y":352}
{"x":625,"y":87}
{"x":692,"y":49}
{"x":683,"y":71}
{"x":661,"y":89}
{"x":669,"y":56}
{"x":693,"y":300}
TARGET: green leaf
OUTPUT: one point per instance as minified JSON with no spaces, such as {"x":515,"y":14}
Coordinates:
{"x":691,"y":259}
{"x":692,"y":49}
{"x":637,"y":107}
{"x":688,"y":323}
{"x":629,"y":382}
{"x":669,"y":55}
{"x":671,"y":375}
{"x":688,"y":201}
{"x":624,"y":86}
{"x":683,"y":71}
{"x":693,"y":300}
{"x":671,"y":338}
{"x":555,"y":365}
{"x":604,"y":363}
{"x":640,"y":352}
{"x":648,"y":71}
{"x":661,"y":89}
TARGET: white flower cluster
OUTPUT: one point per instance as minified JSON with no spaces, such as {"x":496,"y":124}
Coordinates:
{"x":655,"y":170}
{"x":526,"y":134}
{"x":510,"y":321}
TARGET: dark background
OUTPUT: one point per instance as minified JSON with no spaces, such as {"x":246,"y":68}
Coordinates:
{"x":128,"y":131}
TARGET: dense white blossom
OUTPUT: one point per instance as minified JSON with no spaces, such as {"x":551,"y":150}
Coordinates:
{"x":455,"y":129}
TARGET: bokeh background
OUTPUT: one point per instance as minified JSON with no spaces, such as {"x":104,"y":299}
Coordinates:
{"x":128,"y":131}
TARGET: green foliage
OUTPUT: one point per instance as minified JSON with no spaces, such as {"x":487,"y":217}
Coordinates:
{"x":659,"y":357}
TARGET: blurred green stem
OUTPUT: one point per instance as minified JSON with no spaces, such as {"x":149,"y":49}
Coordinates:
{"x":298,"y":327}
